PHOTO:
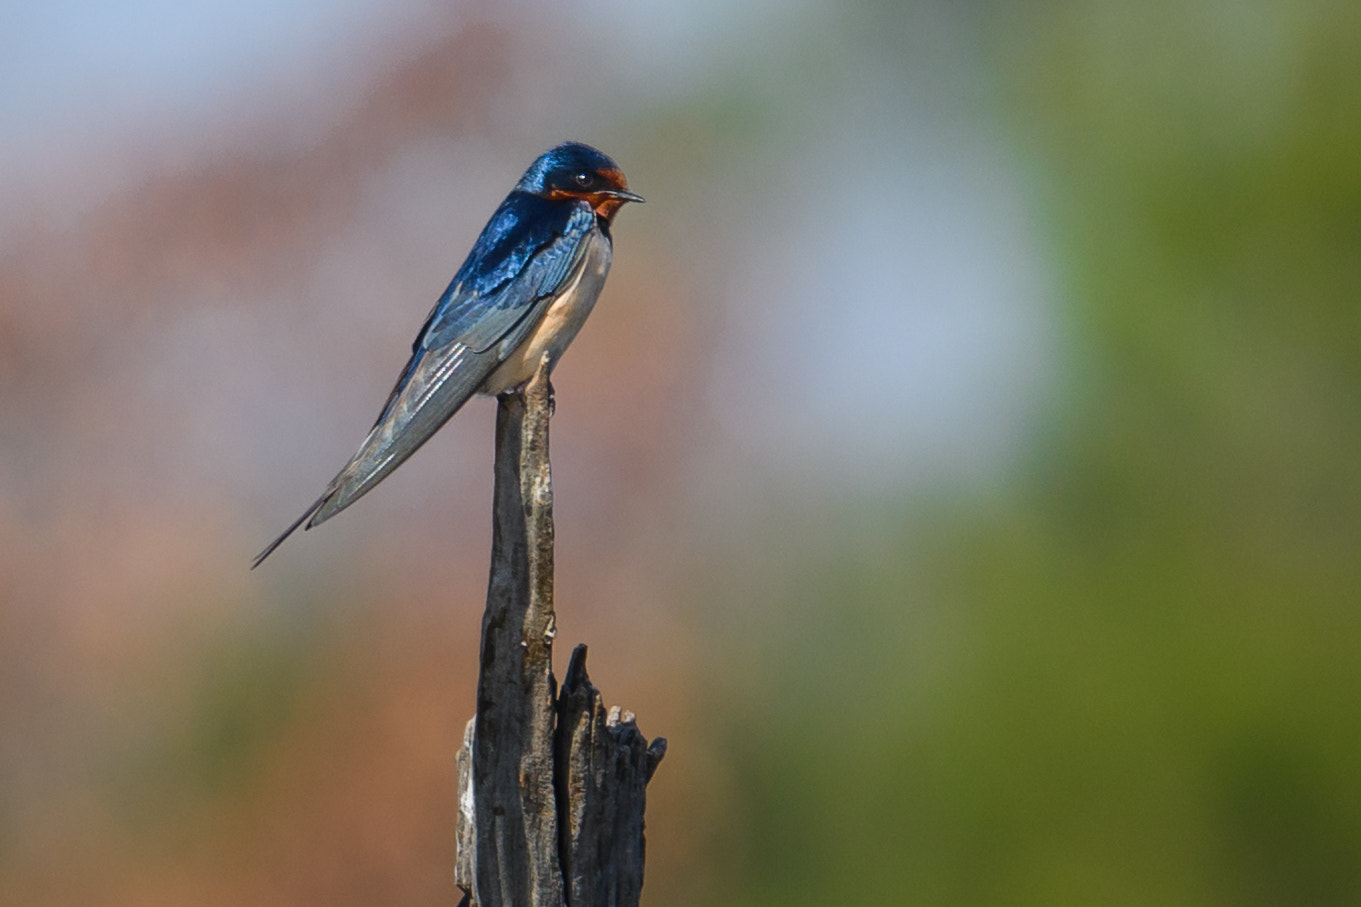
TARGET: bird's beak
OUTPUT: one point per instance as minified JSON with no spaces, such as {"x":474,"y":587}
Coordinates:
{"x":623,"y":195}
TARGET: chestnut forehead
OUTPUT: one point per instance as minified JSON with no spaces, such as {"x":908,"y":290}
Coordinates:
{"x":614,"y":176}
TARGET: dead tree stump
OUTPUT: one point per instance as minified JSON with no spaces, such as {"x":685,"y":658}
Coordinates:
{"x":552,"y":789}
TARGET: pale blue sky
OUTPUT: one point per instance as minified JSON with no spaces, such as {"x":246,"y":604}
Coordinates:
{"x":918,"y":279}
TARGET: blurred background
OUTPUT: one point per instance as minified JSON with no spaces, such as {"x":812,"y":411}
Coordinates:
{"x":961,"y":466}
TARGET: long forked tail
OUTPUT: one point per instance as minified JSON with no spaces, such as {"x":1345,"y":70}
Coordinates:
{"x":434,"y":385}
{"x":308,"y":514}
{"x":387,"y":447}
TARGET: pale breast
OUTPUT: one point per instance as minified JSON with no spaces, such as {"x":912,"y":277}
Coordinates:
{"x":559,"y":323}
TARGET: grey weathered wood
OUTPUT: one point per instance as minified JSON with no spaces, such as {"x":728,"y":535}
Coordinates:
{"x":463,"y":866}
{"x":550,"y":787}
{"x":515,"y":820}
{"x":603,"y":766}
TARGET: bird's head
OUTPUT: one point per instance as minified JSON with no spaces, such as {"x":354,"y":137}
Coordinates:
{"x":576,"y":171}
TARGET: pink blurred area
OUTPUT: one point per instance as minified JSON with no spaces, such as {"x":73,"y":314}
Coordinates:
{"x":187,"y":353}
{"x":221,"y":226}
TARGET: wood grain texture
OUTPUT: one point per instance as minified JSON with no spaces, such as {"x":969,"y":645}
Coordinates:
{"x":515,"y":818}
{"x":552,"y":787}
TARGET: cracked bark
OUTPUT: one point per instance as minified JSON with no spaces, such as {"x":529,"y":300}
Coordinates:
{"x":552,"y":787}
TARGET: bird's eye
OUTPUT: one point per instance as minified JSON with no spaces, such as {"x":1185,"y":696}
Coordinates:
{"x":584,"y":179}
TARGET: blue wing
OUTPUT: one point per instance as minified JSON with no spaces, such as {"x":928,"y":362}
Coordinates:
{"x":524,"y":255}
{"x":528,"y":251}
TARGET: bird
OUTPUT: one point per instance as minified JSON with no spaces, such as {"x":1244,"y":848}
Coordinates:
{"x":523,"y":292}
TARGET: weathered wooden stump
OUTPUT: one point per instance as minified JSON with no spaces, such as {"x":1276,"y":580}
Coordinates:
{"x":552,"y":789}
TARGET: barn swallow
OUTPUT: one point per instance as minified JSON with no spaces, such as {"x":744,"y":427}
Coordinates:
{"x":524,"y":290}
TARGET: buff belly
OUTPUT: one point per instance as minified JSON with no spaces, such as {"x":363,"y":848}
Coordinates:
{"x":559,"y":323}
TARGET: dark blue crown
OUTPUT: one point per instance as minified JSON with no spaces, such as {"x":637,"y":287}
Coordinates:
{"x":558,"y":165}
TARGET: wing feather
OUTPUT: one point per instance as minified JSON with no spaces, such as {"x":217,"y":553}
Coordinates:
{"x":528,"y":251}
{"x":483,"y":304}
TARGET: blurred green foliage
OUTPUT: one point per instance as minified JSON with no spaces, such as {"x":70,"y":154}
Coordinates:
{"x":235,"y":707}
{"x":1130,"y":675}
{"x":1125,"y":671}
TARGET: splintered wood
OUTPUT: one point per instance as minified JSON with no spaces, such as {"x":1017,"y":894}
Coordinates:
{"x":552,"y":787}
